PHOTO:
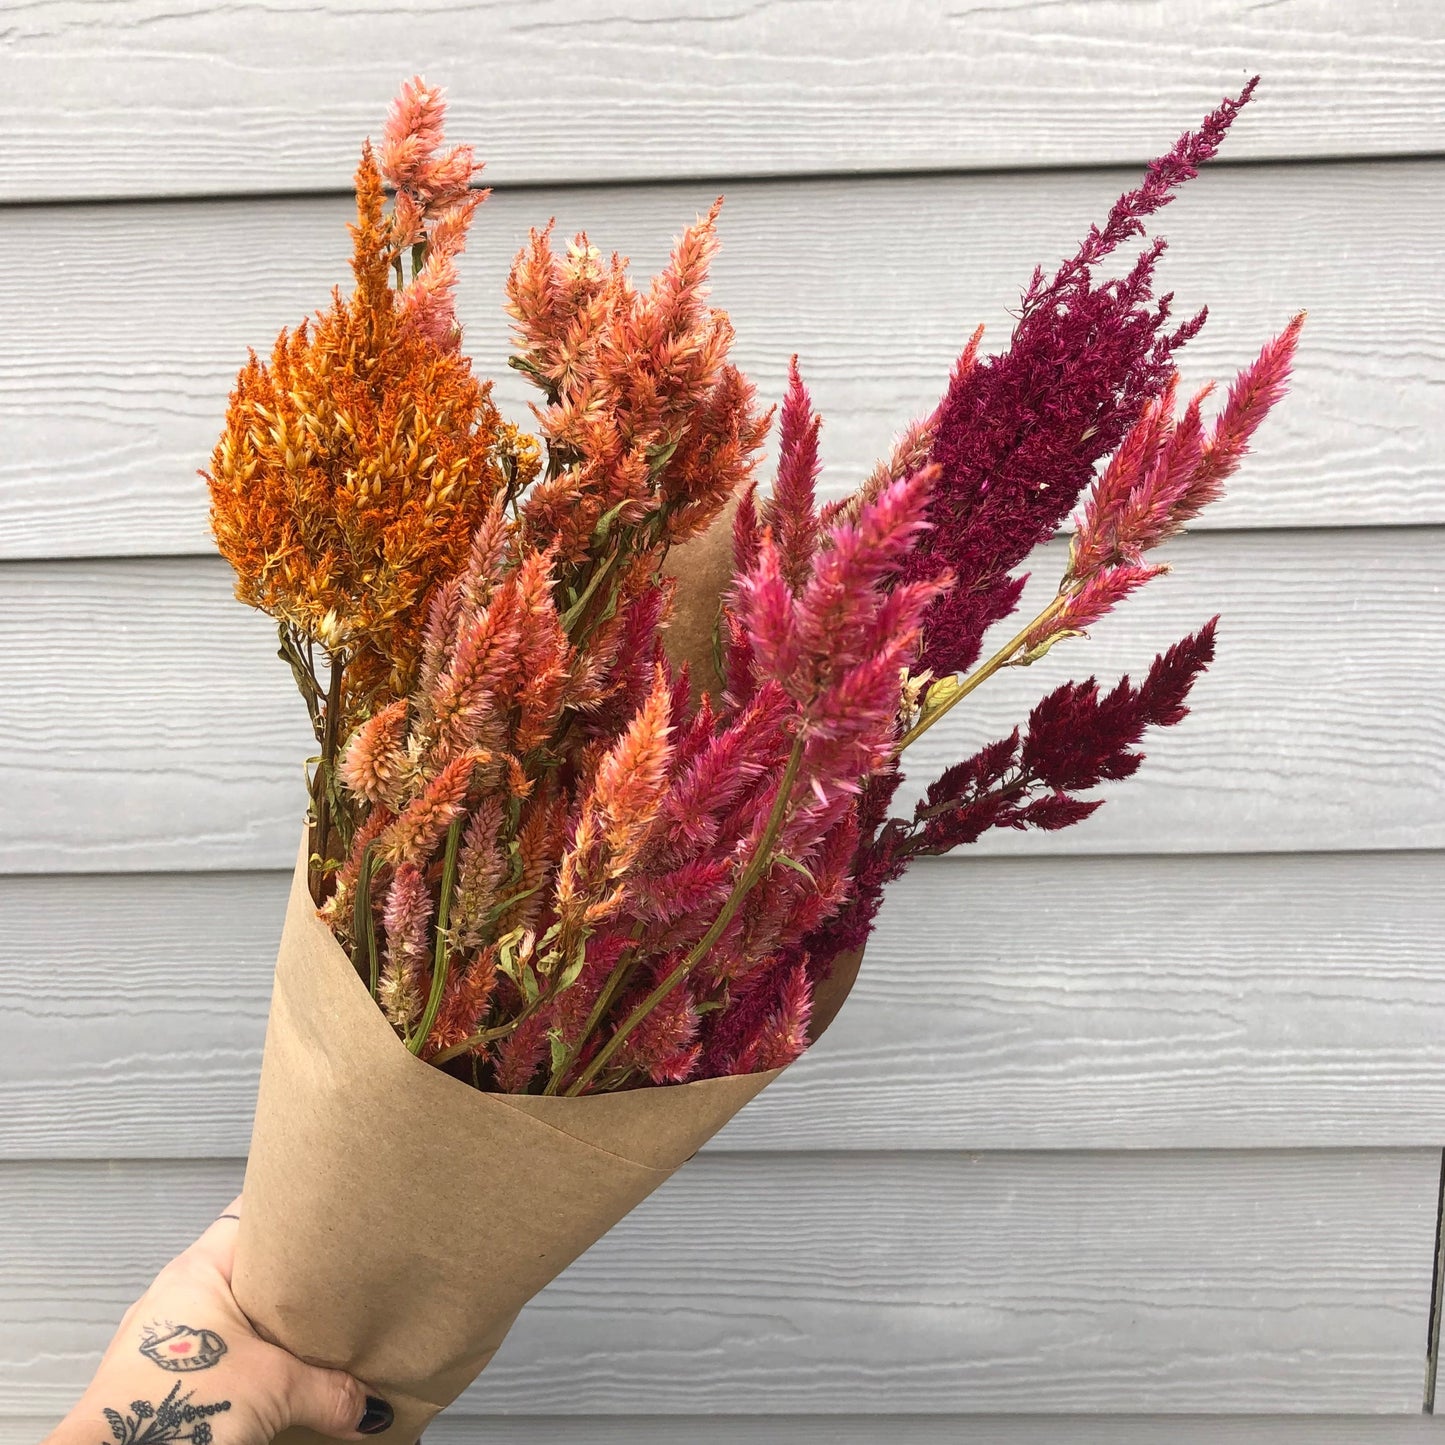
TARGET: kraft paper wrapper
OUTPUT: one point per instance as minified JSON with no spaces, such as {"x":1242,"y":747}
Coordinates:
{"x":394,"y":1219}
{"x":703,"y":568}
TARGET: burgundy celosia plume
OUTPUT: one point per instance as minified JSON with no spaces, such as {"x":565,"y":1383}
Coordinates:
{"x":1016,"y":439}
{"x":1018,"y":435}
{"x":1075,"y":740}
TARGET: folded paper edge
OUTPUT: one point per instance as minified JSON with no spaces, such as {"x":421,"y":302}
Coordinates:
{"x":623,"y":1124}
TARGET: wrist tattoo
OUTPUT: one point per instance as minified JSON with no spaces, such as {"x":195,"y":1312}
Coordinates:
{"x":175,"y":1418}
{"x":179,"y":1347}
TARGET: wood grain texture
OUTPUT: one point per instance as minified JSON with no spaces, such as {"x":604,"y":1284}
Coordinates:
{"x":177,"y":742}
{"x":1281,"y":750}
{"x":139,"y":97}
{"x":462,"y":1429}
{"x":1211,"y":1002}
{"x":827,"y":1284}
{"x":933,"y":1430}
{"x":874,"y":283}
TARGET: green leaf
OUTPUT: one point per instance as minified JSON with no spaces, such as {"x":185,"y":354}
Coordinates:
{"x":939,"y":695}
{"x":497,"y":909}
{"x":1039,"y":649}
{"x":660,"y":454}
{"x":795,"y":866}
{"x":605,"y":521}
{"x":558,"y":1048}
{"x":573,"y":971}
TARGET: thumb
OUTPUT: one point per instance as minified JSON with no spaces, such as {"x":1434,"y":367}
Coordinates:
{"x":331,"y":1402}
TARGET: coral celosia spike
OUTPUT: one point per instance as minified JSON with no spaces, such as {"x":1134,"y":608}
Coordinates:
{"x":413,"y":130}
{"x":374,"y":763}
{"x":1252,"y":394}
{"x":418,"y":829}
{"x":791,"y":512}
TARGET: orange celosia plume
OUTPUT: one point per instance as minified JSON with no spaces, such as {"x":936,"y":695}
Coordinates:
{"x":355,"y":466}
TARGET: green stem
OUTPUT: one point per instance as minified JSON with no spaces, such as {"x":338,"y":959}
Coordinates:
{"x":610,"y":990}
{"x":500,"y":1031}
{"x":575,"y":611}
{"x":325,"y":772}
{"x":303,"y":670}
{"x":758,"y":866}
{"x":442,"y":957}
{"x":363,"y":926}
{"x":1000,"y":659}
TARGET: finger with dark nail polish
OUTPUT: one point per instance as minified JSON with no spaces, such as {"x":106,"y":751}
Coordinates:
{"x":378,"y":1416}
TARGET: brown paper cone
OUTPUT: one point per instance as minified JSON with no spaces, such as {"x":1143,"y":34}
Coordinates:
{"x":394,"y":1220}
{"x":830,"y":995}
{"x":703,"y":568}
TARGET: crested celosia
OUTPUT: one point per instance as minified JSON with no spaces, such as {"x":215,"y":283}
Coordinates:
{"x":569,"y":869}
{"x":357,"y":462}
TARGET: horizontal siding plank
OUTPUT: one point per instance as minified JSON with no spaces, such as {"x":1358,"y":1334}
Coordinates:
{"x":460,"y":1429}
{"x":146,"y":98}
{"x":152,"y":727}
{"x":1072,"y":1284}
{"x":934,"y":1430}
{"x":1317,"y":726}
{"x":874,"y":282}
{"x":1211,"y":1002}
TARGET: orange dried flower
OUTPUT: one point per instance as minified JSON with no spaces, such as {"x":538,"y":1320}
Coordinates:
{"x":354,"y":467}
{"x":464,"y":1001}
{"x":647,"y":423}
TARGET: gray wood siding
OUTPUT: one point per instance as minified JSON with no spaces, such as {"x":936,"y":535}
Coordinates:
{"x":875,"y":282}
{"x":1131,"y":1135}
{"x":834,"y":1284}
{"x":1299,"y":1005}
{"x":146,"y":97}
{"x":178,"y":743}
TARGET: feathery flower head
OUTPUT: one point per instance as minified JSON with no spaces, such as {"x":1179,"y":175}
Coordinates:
{"x":354,"y":467}
{"x":1017,"y":435}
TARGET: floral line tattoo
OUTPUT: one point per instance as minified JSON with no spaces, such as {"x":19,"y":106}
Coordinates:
{"x":179,"y":1347}
{"x":173,"y":1419}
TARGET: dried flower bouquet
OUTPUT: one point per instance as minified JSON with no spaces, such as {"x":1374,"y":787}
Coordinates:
{"x":554,"y":863}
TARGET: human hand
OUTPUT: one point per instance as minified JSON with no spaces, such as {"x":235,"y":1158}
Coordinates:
{"x":186,"y":1366}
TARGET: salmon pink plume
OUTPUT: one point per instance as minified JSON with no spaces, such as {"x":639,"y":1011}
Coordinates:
{"x":415,"y":127}
{"x":435,"y":200}
{"x":650,"y":428}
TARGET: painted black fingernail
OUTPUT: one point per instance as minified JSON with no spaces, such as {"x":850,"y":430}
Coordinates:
{"x":378,"y":1416}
